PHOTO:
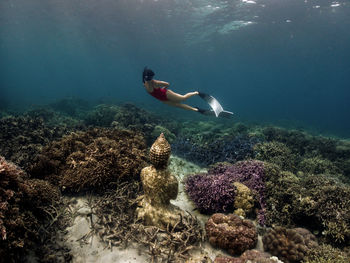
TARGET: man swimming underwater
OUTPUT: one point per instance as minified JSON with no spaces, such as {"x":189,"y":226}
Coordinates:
{"x":159,"y":90}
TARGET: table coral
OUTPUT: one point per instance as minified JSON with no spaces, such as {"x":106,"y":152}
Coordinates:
{"x":290,"y":245}
{"x":232,"y":233}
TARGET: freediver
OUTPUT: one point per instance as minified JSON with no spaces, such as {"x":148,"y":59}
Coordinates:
{"x":159,"y":90}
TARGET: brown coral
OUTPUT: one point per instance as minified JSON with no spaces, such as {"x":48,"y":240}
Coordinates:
{"x":231,"y":232}
{"x":160,"y":152}
{"x":22,"y":210}
{"x":290,"y":245}
{"x":93,"y":159}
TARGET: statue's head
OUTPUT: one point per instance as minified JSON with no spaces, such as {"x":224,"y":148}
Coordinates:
{"x":160,"y":152}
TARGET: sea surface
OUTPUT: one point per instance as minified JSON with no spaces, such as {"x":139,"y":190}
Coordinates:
{"x":284,"y":62}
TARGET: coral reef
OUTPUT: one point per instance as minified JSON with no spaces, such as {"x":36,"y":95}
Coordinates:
{"x":317,"y":202}
{"x":133,"y":118}
{"x":306,"y":146}
{"x":22,"y":137}
{"x":244,"y":200}
{"x":215,"y":191}
{"x":101,"y":116}
{"x":232,"y":233}
{"x":326,"y":254}
{"x":92,"y":160}
{"x":225,"y":149}
{"x":158,"y":129}
{"x":70,"y":106}
{"x":211,"y":193}
{"x":28,"y":212}
{"x":250,"y":173}
{"x":290,"y":245}
{"x":159,"y":186}
{"x":317,"y":165}
{"x":277,"y":153}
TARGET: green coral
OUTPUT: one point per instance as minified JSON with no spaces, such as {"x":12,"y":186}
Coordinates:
{"x":158,"y":129}
{"x":317,"y":165}
{"x":326,"y":254}
{"x":317,"y":202}
{"x":102,"y":115}
{"x":277,"y":153}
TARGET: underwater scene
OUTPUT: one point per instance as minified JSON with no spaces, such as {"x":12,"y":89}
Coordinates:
{"x":175,"y":131}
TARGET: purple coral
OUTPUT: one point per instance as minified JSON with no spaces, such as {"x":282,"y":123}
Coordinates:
{"x":214,"y":191}
{"x":211,"y":193}
{"x":250,"y":173}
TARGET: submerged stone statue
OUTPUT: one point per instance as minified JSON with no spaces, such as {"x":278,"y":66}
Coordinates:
{"x":159,"y":188}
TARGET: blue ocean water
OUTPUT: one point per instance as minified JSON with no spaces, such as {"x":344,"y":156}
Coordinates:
{"x":276,"y":61}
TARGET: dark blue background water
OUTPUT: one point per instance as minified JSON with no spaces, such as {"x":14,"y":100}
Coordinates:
{"x":268,"y":60}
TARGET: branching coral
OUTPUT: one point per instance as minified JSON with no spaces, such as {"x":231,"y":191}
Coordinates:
{"x":211,"y":193}
{"x":23,"y":211}
{"x":117,"y":226}
{"x":250,"y":173}
{"x":317,"y":202}
{"x":133,"y":118}
{"x":277,"y":153}
{"x":290,"y":245}
{"x":326,"y":254}
{"x":92,"y":159}
{"x":21,"y":138}
{"x":232,"y":233}
{"x":317,"y":165}
{"x":102,"y":115}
